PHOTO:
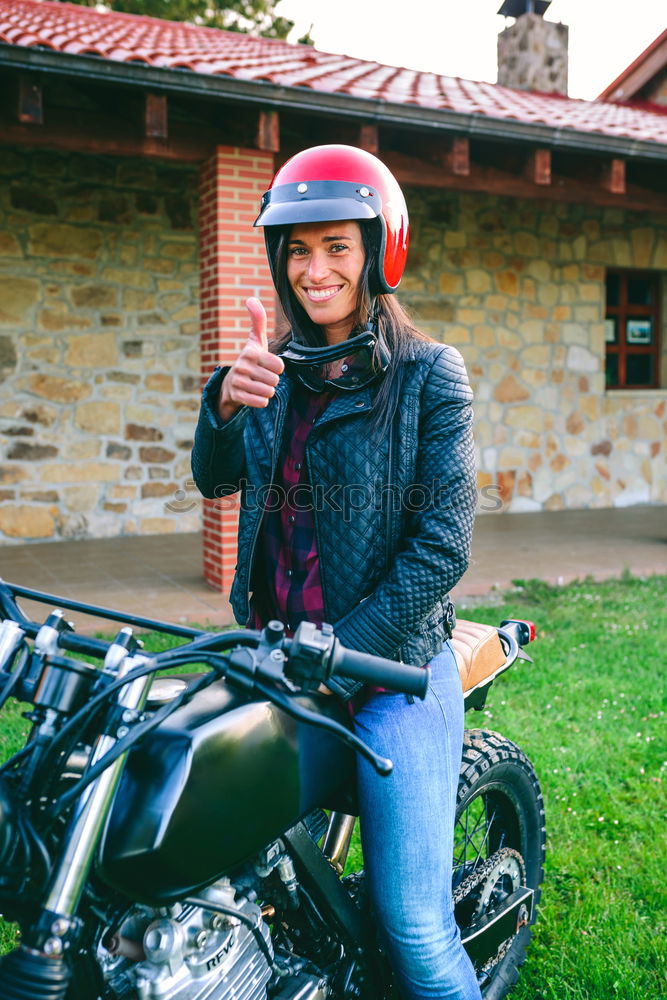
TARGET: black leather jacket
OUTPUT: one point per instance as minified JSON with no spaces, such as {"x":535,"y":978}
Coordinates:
{"x":393,"y":515}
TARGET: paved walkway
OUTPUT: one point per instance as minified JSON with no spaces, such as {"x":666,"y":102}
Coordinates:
{"x":160,"y":576}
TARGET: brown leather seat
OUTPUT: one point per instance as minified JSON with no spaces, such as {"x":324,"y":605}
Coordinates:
{"x":479,"y":652}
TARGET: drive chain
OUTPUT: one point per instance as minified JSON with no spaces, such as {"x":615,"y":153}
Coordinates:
{"x":475,"y":879}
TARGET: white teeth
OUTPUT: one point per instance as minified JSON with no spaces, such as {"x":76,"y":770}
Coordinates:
{"x":320,"y":295}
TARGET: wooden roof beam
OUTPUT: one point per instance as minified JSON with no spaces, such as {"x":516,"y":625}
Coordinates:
{"x":268,"y":132}
{"x":29,"y":103}
{"x":613,"y":177}
{"x":456,"y":157}
{"x":156,"y":116}
{"x":412,"y":170}
{"x":369,"y":138}
{"x":538,"y":167}
{"x":87,"y":132}
{"x":448,"y":154}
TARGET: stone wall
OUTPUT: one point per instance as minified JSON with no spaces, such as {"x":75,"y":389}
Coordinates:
{"x":99,"y":353}
{"x":99,"y":345}
{"x":519,"y":288}
{"x":533,"y":55}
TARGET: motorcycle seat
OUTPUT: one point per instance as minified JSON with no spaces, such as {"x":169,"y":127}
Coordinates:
{"x":479,"y":652}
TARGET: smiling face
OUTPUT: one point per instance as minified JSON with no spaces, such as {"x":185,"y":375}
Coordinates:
{"x":324,"y":265}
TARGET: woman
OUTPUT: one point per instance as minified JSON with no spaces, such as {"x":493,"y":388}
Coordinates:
{"x":350,"y":440}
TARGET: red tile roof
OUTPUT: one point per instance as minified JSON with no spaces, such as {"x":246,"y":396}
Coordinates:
{"x":72,"y":29}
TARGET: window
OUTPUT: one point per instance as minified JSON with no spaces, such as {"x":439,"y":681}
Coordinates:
{"x":632,"y":330}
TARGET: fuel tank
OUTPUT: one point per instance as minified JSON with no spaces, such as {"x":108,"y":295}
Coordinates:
{"x":213,"y":784}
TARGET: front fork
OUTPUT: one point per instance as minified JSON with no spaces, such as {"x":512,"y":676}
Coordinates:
{"x":337,"y":839}
{"x":38,"y":969}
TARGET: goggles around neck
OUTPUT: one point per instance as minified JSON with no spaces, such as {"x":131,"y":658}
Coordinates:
{"x":365,"y":357}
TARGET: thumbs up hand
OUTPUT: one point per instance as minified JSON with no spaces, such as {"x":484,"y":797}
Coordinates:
{"x":257,"y":323}
{"x":252,"y":379}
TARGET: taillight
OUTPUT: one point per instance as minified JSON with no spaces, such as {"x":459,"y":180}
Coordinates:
{"x":525,"y":630}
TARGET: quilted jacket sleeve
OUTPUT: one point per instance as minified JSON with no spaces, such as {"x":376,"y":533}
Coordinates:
{"x":218,"y":453}
{"x":435,"y":549}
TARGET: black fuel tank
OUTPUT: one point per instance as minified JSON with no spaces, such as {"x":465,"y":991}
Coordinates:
{"x":211,"y":786}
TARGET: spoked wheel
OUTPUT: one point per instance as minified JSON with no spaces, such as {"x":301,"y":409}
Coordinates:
{"x":499,"y":848}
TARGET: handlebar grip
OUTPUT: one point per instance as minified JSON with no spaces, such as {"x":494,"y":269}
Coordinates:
{"x":384,"y":673}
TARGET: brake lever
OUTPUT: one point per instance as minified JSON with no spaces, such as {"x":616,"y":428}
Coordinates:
{"x":245,"y":666}
{"x":382,"y":765}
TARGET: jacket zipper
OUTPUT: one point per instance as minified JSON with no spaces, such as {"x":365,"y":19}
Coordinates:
{"x":390,"y":509}
{"x":389,"y":520}
{"x":390,"y":502}
{"x":317,"y":530}
{"x":259,"y":522}
{"x":317,"y":541}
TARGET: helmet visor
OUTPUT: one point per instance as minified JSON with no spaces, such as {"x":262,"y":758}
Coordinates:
{"x":318,"y":201}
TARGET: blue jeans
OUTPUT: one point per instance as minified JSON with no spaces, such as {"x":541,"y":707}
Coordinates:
{"x":407,"y":832}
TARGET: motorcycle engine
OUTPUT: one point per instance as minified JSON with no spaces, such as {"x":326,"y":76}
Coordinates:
{"x":187,"y":952}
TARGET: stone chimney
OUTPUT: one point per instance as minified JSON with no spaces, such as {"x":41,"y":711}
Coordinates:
{"x":532,"y":53}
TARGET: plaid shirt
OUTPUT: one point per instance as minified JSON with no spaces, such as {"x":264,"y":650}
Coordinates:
{"x":286,"y":577}
{"x":287,"y":582}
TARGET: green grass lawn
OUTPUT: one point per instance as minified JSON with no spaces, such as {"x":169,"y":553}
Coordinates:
{"x":590,"y":714}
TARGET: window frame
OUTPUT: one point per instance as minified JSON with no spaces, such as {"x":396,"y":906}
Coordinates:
{"x":624,"y":311}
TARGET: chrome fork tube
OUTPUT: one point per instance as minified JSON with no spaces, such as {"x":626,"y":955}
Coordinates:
{"x":90,"y":815}
{"x":337,"y":839}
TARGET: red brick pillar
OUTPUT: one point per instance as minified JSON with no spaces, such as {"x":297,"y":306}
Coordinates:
{"x":232,"y":266}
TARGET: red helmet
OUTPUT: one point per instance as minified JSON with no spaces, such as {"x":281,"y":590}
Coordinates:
{"x":332,"y":183}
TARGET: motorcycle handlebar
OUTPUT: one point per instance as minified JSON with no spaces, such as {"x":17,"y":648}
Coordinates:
{"x":349,"y":662}
{"x":383,"y":673}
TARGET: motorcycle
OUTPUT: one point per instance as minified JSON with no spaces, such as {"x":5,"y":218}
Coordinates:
{"x":184,"y":836}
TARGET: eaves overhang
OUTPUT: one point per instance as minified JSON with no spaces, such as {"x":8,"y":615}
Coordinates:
{"x":304,"y":99}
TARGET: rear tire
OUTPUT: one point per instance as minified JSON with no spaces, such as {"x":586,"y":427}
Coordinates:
{"x":499,"y":806}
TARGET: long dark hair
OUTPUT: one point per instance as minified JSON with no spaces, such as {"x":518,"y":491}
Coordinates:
{"x":394,"y":324}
